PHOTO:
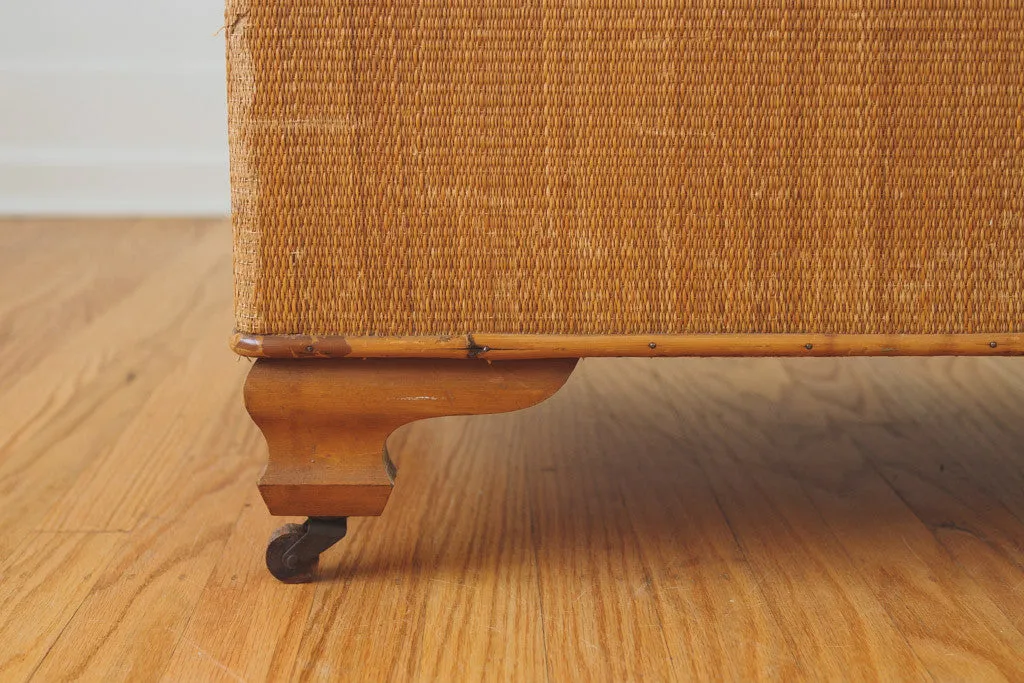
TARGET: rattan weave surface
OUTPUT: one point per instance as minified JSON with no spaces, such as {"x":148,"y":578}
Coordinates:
{"x":419,"y":167}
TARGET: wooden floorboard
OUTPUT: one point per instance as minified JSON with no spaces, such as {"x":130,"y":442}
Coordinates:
{"x":665,"y":519}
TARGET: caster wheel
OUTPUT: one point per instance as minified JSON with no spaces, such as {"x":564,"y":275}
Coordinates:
{"x":284,"y":538}
{"x":294,"y":550}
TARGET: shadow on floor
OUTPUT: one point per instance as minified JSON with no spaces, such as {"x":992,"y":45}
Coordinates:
{"x":686,"y":461}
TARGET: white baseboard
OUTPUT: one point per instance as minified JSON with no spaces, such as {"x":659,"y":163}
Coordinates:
{"x":128,"y":187}
{"x":141,"y":138}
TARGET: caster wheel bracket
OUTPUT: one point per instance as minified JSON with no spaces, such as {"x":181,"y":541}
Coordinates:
{"x":319,"y":534}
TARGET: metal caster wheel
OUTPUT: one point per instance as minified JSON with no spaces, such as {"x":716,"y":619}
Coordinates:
{"x":293,"y":551}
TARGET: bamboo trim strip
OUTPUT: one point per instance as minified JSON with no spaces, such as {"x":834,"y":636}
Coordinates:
{"x":522,"y":346}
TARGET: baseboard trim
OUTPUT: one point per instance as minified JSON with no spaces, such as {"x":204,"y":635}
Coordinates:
{"x":132,"y":186}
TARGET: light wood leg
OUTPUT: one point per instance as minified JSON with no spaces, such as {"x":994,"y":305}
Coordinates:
{"x":326,"y":421}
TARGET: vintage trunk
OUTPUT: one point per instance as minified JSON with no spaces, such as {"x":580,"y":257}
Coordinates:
{"x":544,"y":180}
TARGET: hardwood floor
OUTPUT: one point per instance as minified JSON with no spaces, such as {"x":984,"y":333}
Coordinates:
{"x":723,"y":519}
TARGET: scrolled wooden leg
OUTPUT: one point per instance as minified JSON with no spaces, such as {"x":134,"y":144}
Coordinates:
{"x":326,"y":420}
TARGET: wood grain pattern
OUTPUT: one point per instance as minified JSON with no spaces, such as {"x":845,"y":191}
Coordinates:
{"x":657,"y":519}
{"x":523,"y":346}
{"x":326,"y":423}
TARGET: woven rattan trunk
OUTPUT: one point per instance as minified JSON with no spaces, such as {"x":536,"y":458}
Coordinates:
{"x":485,"y":179}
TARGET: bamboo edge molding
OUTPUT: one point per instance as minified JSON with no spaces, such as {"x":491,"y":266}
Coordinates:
{"x":530,"y":346}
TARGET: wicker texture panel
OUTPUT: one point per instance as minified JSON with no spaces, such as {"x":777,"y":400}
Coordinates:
{"x":423,"y":167}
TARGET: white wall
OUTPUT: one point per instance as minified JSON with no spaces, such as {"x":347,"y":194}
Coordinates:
{"x":112,"y":107}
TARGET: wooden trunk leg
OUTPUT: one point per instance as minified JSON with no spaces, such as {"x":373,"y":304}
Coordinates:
{"x":326,"y":420}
